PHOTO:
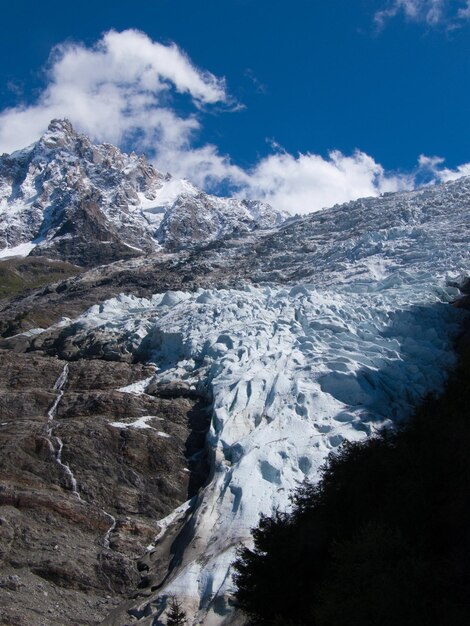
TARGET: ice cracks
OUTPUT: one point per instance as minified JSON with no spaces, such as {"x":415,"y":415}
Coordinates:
{"x":292,"y":372}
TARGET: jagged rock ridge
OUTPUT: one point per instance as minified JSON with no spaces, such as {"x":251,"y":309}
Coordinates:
{"x":64,"y":197}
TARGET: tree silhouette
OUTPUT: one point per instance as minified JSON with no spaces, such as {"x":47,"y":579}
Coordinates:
{"x":176,"y":616}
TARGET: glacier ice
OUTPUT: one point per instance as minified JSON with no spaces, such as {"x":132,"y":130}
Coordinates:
{"x":292,"y":371}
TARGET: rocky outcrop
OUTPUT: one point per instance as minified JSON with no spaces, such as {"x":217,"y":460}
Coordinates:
{"x":85,"y":237}
{"x":86,"y":472}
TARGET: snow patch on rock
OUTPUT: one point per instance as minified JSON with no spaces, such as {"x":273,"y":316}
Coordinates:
{"x":141,"y":423}
{"x":21,"y":250}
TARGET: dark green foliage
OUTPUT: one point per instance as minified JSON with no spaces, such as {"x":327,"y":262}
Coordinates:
{"x":382,"y":540}
{"x":176,"y":615}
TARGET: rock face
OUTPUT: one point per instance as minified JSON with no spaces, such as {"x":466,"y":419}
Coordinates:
{"x":86,"y":473}
{"x":65,"y":198}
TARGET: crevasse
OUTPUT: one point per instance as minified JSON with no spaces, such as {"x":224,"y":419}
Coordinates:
{"x":292,"y":372}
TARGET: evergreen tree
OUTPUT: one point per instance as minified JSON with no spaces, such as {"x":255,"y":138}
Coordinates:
{"x":176,"y":616}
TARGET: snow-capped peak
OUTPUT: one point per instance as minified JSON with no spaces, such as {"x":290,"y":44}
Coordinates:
{"x":69,"y":198}
{"x":60,"y":133}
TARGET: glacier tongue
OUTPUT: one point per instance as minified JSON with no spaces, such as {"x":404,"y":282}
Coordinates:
{"x":292,"y":372}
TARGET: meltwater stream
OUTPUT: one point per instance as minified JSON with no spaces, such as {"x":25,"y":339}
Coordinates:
{"x":56,"y":442}
{"x":59,"y":387}
{"x":56,"y":445}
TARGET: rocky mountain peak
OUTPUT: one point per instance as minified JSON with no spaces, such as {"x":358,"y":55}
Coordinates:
{"x":60,"y":133}
{"x":141,"y":210}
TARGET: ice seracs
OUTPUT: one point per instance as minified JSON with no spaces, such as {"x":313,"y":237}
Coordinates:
{"x":292,"y":372}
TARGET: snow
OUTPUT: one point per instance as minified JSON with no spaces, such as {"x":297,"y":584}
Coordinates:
{"x":140,"y":423}
{"x":164,"y":197}
{"x":31,"y":332}
{"x":138,"y":387}
{"x":21,"y":250}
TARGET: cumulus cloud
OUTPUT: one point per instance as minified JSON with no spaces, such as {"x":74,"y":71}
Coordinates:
{"x":121,"y":91}
{"x":301,"y":183}
{"x":304,"y":183}
{"x":119,"y":88}
{"x":309,"y":182}
{"x":435,"y":167}
{"x":430,"y":12}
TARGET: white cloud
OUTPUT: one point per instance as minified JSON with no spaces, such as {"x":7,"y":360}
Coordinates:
{"x":298,"y":184}
{"x":464,"y":12}
{"x":306,"y":183}
{"x":120,"y":91}
{"x":433,"y":165}
{"x":118,"y":87}
{"x":447,"y":174}
{"x":309,"y":182}
{"x":430,"y":12}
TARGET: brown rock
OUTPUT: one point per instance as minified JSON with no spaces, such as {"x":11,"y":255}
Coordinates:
{"x":85,"y":545}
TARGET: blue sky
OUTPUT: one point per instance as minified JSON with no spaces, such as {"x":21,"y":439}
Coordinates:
{"x":267,"y":98}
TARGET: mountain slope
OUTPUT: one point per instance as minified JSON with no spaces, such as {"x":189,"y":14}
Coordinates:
{"x":64,"y":197}
{"x":321,"y":329}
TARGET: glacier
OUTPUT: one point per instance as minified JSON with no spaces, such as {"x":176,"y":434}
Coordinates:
{"x":308,"y":332}
{"x":292,"y":371}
